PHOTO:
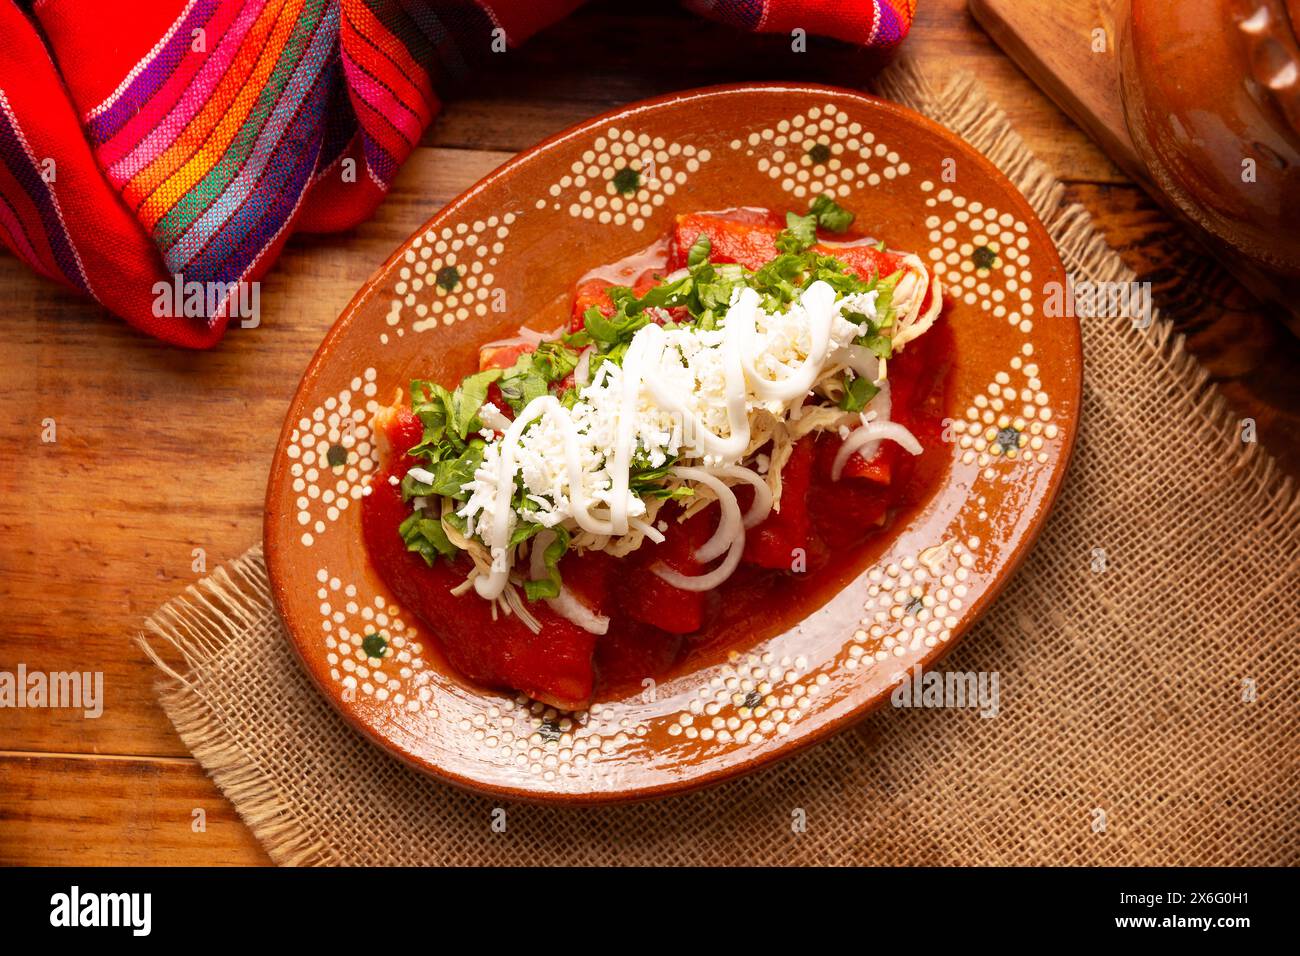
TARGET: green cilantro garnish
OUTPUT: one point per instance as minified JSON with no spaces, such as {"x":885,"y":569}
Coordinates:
{"x":801,"y":231}
{"x":872,"y":337}
{"x":426,"y":537}
{"x":549,"y":586}
{"x":699,"y":251}
{"x":858,"y":391}
{"x":830,"y":215}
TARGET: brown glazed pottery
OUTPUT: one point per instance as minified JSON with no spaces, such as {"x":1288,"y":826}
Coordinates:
{"x":1211,"y":92}
{"x":518,"y":240}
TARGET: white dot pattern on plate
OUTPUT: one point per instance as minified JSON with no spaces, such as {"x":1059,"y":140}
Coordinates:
{"x":914,"y":604}
{"x":750,"y":698}
{"x":623,"y":177}
{"x":981,"y":254}
{"x":447,"y":276}
{"x":331,"y":452}
{"x":546,"y":742}
{"x":370,"y":648}
{"x":822,"y":151}
{"x":1010,"y":420}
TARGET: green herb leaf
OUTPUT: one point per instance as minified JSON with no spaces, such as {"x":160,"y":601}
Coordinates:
{"x":525,"y":530}
{"x":468,"y":399}
{"x":858,"y":391}
{"x":430,"y":402}
{"x":554,"y":360}
{"x":426,"y":536}
{"x":549,"y":586}
{"x":452,"y":474}
{"x":830,"y":215}
{"x":699,"y":252}
{"x":800,"y":233}
{"x":522,"y":383}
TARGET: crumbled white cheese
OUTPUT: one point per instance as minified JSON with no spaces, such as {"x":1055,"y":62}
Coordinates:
{"x":618,"y":413}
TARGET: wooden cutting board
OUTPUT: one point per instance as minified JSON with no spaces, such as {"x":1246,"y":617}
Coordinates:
{"x":1067,"y":47}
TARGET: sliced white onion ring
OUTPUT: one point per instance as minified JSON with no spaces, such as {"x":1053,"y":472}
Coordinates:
{"x":864,"y":362}
{"x":569,"y":607}
{"x":869,"y":433}
{"x":730,"y":525}
{"x":729,"y":537}
{"x":647,"y":529}
{"x":582,"y":371}
{"x":563,"y":604}
{"x":762,"y":505}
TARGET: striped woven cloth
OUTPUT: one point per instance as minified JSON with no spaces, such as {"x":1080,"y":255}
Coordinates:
{"x":152,"y":145}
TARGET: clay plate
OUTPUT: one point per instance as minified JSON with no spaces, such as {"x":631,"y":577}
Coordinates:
{"x":517,"y":242}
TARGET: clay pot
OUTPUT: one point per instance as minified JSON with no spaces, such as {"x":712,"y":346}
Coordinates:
{"x":1211,"y":92}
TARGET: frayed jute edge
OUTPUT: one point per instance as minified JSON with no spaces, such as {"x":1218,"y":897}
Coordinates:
{"x":199,"y":623}
{"x":963,"y":107}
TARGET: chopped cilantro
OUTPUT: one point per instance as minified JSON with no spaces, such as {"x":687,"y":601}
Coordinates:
{"x":858,"y":391}
{"x":549,"y":586}
{"x":800,"y":233}
{"x":699,"y":252}
{"x":830,"y":215}
{"x":426,"y":537}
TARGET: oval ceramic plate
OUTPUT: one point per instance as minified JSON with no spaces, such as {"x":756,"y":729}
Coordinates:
{"x":507,"y":253}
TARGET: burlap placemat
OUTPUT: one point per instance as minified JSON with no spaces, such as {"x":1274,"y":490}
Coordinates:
{"x":1148,"y":710}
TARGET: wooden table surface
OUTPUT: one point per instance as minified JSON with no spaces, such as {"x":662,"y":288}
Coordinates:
{"x":161,"y":451}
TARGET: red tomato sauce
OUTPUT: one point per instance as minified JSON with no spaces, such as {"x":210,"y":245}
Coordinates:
{"x":824,"y":534}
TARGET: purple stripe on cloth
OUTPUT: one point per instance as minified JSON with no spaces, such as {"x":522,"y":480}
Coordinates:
{"x":747,"y":14}
{"x":153,"y":74}
{"x":16,"y":156}
{"x":322,"y":51}
{"x":13,"y":227}
{"x":890,"y":30}
{"x":383,"y":101}
{"x":263,"y":214}
{"x":196,"y":94}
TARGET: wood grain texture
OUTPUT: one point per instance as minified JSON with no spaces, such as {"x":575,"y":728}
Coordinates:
{"x":160,"y":451}
{"x":1055,"y":43}
{"x":71,"y":810}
